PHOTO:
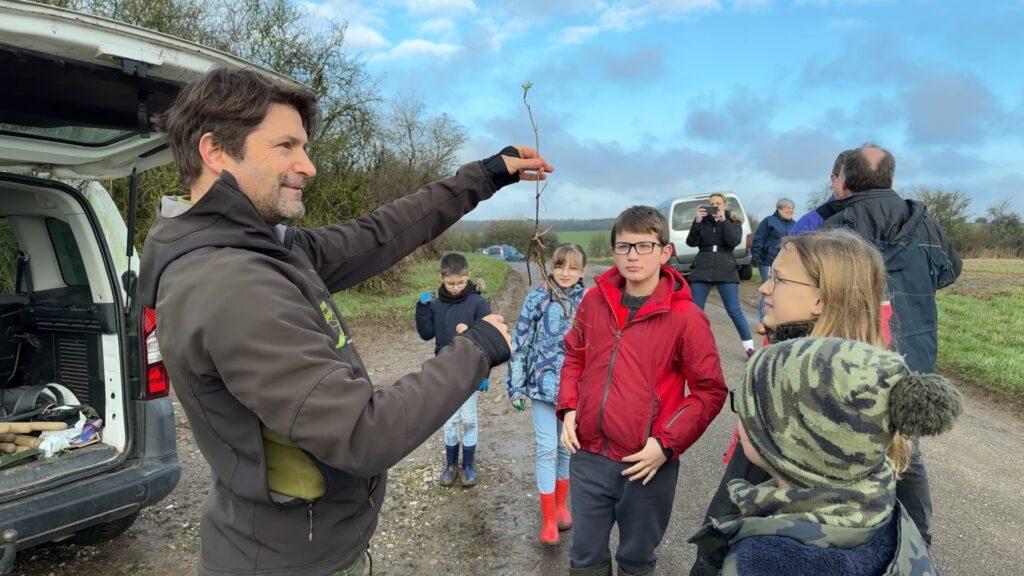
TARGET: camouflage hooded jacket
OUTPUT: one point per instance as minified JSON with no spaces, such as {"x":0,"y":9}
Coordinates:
{"x":760,"y":546}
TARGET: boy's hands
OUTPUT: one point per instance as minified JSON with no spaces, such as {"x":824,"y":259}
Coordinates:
{"x":648,"y":461}
{"x":519,"y":404}
{"x":426,"y":297}
{"x":569,"y":440}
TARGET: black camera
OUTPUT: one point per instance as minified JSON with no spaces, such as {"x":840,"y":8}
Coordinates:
{"x":711,"y":210}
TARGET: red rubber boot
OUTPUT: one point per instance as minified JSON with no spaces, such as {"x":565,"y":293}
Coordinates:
{"x":548,"y":527}
{"x":562,"y":516}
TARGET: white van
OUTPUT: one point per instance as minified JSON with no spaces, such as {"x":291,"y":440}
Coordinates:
{"x":680,"y":213}
{"x":78,"y":94}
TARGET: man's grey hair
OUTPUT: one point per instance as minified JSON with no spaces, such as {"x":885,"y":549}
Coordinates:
{"x":784,"y":203}
{"x":860,"y":177}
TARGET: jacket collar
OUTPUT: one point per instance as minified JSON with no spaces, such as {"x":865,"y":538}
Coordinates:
{"x":910,"y":547}
{"x":223,"y":218}
{"x":671,"y":288}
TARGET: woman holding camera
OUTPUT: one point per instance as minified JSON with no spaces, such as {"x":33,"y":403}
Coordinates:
{"x":715,"y":232}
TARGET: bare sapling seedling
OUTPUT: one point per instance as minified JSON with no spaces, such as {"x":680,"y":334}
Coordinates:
{"x":537,"y":249}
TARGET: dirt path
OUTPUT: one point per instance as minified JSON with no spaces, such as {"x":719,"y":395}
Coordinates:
{"x":491,"y":529}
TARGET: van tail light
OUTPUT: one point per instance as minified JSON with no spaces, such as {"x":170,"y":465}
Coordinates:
{"x":157,"y":383}
{"x":750,"y":241}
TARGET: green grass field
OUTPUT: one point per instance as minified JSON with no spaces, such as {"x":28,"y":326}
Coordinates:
{"x":584,"y":238}
{"x":422,"y":276}
{"x":580,"y":237}
{"x":981,"y":325}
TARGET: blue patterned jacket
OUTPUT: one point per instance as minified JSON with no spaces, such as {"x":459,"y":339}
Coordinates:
{"x":538,"y":345}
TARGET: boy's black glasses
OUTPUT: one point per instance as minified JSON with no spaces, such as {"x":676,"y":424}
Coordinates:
{"x":642,"y":248}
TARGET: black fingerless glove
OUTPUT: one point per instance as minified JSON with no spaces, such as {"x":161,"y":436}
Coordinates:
{"x":491,"y":341}
{"x":497,"y":171}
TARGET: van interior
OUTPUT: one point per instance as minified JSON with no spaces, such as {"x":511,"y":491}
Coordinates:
{"x":59,"y":323}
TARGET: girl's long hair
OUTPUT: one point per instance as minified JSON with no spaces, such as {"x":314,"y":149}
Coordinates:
{"x":850,"y":276}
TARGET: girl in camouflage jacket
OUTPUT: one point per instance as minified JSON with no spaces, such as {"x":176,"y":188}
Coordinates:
{"x":819,"y":415}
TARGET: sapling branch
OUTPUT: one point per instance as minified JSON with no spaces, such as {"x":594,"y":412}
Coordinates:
{"x":537,"y":247}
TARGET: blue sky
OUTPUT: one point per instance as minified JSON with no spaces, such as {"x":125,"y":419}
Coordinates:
{"x":639,"y":101}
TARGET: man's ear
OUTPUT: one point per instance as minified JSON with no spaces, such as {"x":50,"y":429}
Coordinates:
{"x":211,"y":153}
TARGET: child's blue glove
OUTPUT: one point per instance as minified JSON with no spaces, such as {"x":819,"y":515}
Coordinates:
{"x":426,"y":297}
{"x":484,"y":385}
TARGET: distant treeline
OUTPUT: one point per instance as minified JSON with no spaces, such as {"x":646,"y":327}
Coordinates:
{"x":572,"y":225}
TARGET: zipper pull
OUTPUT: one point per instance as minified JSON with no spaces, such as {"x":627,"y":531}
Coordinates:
{"x":310,"y":510}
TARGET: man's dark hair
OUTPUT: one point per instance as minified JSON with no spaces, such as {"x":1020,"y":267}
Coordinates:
{"x":230,"y":103}
{"x":454,"y":264}
{"x":641,"y":220}
{"x":837,"y":166}
{"x":860,"y":177}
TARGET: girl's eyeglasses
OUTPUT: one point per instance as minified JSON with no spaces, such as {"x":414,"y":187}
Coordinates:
{"x":774,"y":279}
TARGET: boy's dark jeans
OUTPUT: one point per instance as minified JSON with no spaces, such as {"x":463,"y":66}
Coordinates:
{"x":603,"y":497}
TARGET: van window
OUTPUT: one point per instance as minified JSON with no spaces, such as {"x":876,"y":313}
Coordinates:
{"x":9,"y":250}
{"x":69,"y":258}
{"x":683,"y":213}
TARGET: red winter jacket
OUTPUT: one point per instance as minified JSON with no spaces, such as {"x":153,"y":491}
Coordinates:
{"x":629,"y":383}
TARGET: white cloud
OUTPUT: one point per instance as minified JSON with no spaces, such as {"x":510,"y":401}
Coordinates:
{"x":577,"y":34}
{"x":486,"y":36}
{"x":363,"y":22}
{"x":360,"y":37}
{"x":437,"y":26}
{"x":635,"y":14}
{"x":445,"y":7}
{"x":950,"y":108}
{"x":349,"y":11}
{"x":419,"y":48}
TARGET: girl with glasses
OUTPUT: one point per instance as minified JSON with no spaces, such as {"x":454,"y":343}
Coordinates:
{"x":538,"y":352}
{"x":828,"y":284}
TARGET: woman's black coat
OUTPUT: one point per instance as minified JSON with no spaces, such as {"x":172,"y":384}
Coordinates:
{"x":715,"y":261}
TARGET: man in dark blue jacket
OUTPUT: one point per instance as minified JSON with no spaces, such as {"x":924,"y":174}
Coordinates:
{"x":919,"y":260}
{"x":767,"y":238}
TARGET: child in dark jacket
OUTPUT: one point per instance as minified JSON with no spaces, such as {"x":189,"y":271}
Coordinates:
{"x":637,"y":344}
{"x":538,"y":351}
{"x":818,"y":415}
{"x":458,"y":302}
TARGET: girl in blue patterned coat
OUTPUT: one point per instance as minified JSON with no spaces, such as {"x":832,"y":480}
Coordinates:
{"x":538,"y":350}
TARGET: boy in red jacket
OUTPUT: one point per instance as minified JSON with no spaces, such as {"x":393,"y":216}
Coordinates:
{"x":637,"y":344}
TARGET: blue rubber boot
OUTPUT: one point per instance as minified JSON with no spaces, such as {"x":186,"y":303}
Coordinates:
{"x":451,"y":468}
{"x":468,"y":471}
